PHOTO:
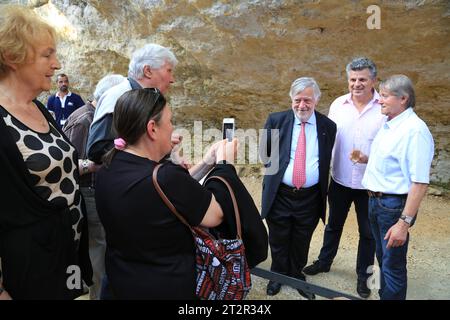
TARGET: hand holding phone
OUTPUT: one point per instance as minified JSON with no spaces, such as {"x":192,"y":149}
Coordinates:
{"x":228,"y":129}
{"x":227,"y":151}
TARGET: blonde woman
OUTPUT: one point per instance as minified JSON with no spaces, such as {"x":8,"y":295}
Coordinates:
{"x":43,"y":238}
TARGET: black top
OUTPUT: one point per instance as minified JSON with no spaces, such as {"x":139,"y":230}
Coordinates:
{"x":36,"y":235}
{"x":254,"y":233}
{"x":150,"y":254}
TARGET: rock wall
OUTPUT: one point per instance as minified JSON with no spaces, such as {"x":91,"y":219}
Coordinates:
{"x":238,"y":58}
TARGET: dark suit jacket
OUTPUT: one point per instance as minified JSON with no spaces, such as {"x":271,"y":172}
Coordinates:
{"x":284,"y":121}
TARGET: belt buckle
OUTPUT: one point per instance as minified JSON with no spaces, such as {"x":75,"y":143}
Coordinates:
{"x":374,"y":194}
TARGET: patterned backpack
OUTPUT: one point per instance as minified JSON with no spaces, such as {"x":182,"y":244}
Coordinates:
{"x":221,"y":265}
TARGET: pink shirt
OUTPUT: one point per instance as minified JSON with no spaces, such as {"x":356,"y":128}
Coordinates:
{"x":354,"y":131}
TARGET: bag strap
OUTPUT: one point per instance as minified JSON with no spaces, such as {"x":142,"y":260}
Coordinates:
{"x":164,"y":197}
{"x":233,"y":199}
{"x":179,"y":216}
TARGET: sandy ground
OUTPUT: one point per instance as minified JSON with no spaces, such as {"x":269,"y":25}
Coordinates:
{"x":428,"y":254}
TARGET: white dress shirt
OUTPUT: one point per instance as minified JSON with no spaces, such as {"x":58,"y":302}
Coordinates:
{"x":312,"y":153}
{"x":401,"y":154}
{"x":354,"y":131}
{"x":63,"y":99}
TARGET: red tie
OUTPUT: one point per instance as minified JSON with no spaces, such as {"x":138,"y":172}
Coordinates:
{"x":299,"y":174}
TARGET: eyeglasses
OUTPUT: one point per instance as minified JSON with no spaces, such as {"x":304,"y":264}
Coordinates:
{"x":158,"y":94}
{"x":155,"y":90}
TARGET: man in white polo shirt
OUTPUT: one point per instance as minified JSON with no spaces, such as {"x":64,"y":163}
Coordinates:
{"x":397,"y":177}
{"x":358,"y":119}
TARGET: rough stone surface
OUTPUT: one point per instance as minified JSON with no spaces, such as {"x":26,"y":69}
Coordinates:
{"x":238,"y":58}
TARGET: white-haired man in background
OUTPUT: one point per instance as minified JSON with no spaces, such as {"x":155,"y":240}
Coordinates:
{"x":150,"y":67}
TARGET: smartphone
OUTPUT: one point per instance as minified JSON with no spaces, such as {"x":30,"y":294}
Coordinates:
{"x":228,"y":128}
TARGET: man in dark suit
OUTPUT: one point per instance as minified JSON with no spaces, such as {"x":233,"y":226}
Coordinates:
{"x":294,"y":196}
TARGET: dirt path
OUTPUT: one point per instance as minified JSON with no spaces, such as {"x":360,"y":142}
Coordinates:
{"x":428,"y":254}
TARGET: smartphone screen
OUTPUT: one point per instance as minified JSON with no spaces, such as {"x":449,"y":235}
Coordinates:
{"x":228,"y":130}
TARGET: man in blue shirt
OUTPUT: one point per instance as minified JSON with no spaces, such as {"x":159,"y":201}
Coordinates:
{"x":64,"y":102}
{"x":397,"y":177}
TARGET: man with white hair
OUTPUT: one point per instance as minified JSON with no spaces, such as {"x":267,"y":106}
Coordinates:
{"x":294,"y":198}
{"x":150,"y":67}
{"x":77,"y":130}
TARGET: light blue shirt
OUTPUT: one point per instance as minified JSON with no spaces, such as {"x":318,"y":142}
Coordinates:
{"x":312,"y":153}
{"x":401,"y":154}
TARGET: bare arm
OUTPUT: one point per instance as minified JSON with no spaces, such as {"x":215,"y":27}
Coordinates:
{"x":398,"y":233}
{"x":214,"y":215}
{"x":199,"y":170}
{"x":415,"y":197}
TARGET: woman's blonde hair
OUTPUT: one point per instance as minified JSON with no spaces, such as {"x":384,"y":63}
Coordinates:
{"x":20,"y":30}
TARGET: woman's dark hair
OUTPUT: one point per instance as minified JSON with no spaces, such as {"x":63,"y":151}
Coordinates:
{"x":133,"y":110}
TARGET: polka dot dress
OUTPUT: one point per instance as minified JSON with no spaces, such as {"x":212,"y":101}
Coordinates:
{"x":52,"y":164}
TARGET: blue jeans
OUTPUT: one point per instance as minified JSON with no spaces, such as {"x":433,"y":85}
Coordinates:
{"x":384,"y":212}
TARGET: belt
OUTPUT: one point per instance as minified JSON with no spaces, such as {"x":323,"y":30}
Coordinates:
{"x":295,"y":191}
{"x":374,"y":194}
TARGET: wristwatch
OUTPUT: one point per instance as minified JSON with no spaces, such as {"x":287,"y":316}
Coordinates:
{"x":1,"y":290}
{"x":406,"y":218}
{"x":85,"y":166}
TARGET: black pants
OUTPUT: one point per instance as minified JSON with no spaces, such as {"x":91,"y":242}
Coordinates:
{"x":292,"y":221}
{"x":340,"y":199}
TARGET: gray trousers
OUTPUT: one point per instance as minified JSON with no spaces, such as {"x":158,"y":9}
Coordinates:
{"x":97,"y":242}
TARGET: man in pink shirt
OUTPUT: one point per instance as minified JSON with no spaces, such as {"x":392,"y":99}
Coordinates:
{"x":358,"y":119}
